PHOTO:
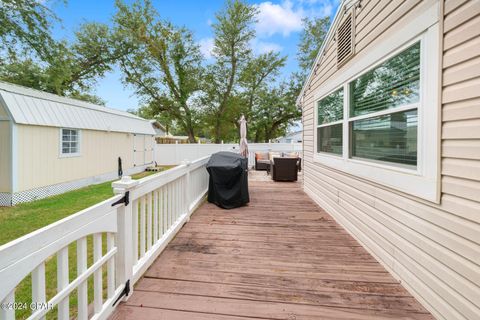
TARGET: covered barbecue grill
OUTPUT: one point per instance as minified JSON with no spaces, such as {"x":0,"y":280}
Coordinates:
{"x":228,"y":186}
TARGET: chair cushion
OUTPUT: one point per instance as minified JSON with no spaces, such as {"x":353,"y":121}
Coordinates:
{"x":263,"y":161}
{"x":261,"y":155}
{"x":291,"y":154}
{"x":272,"y":155}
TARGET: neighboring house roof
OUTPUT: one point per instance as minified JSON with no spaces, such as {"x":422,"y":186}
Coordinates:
{"x":330,"y":34}
{"x":291,"y":135}
{"x":158,"y":125}
{"x":34,"y":107}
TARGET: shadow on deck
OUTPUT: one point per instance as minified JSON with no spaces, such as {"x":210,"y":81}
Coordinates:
{"x":280,"y":257}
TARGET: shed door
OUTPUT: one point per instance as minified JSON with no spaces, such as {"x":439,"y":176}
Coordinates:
{"x":138,"y":150}
{"x":149,"y":149}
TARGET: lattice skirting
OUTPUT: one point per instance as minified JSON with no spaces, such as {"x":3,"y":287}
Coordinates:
{"x":7,"y":199}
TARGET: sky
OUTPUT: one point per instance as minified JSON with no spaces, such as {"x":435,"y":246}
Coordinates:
{"x":278,"y":28}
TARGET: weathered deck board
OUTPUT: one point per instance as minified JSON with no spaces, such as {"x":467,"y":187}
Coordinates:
{"x":280,"y":257}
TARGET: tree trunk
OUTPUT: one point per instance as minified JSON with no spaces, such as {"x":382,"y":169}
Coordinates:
{"x":257,"y":136}
{"x":191,"y":136}
{"x":217,"y":130}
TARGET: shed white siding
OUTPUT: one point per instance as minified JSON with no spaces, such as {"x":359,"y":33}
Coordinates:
{"x":39,"y":163}
{"x":434,"y":249}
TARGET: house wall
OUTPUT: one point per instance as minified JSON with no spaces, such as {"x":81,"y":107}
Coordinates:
{"x":39,"y":163}
{"x":434,"y":249}
{"x":5,"y":156}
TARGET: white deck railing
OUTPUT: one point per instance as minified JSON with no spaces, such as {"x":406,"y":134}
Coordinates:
{"x":136,"y":233}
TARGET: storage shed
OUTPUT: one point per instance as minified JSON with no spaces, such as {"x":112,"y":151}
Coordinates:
{"x":391,"y":142}
{"x":51,"y":144}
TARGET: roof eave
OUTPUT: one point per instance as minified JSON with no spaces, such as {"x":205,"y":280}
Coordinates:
{"x":330,"y":34}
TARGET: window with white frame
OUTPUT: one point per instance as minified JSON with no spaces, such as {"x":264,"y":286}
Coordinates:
{"x":330,"y":119}
{"x":382,"y":112}
{"x":70,"y":142}
{"x":383,"y":108}
{"x":379,"y":120}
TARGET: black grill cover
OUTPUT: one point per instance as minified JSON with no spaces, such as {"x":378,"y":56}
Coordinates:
{"x":228,"y":185}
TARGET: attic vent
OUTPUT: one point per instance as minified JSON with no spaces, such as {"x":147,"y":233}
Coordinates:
{"x":345,"y":39}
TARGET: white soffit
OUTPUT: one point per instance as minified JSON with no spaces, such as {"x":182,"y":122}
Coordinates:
{"x":33,"y":107}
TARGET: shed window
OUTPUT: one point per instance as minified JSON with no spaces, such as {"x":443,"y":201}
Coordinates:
{"x":70,"y":142}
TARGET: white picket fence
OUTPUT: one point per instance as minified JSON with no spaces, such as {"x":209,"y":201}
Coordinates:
{"x":136,"y":230}
{"x":173,"y":154}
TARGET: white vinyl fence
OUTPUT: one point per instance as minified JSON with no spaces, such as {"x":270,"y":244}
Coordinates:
{"x":173,"y":154}
{"x":137,"y":224}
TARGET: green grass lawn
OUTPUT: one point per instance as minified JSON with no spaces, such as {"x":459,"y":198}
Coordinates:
{"x":27,"y":217}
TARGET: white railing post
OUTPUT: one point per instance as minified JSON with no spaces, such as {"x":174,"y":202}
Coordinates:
{"x":124,"y":256}
{"x":188,"y":192}
{"x":7,"y":311}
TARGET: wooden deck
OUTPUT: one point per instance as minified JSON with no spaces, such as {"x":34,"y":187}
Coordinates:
{"x":280,"y":257}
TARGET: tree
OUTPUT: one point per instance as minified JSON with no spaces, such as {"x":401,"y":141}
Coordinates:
{"x":255,"y":76}
{"x":71,"y":69}
{"x":311,"y":40}
{"x":160,"y":61}
{"x":25,"y":26}
{"x":276,"y":111}
{"x":233,"y":32}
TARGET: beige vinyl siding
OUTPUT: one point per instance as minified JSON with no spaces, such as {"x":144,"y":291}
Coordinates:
{"x":5,"y":156}
{"x":40,"y":164}
{"x":434,"y":249}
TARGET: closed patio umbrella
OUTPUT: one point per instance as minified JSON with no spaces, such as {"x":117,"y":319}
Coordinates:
{"x":243,"y":137}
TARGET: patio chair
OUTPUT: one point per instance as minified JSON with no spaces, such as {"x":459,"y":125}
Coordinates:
{"x":285,"y":169}
{"x":261,"y":161}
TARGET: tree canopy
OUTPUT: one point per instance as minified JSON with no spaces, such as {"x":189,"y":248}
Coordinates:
{"x":162,"y":62}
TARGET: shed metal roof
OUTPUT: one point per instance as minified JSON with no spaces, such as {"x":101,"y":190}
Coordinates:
{"x":34,"y":107}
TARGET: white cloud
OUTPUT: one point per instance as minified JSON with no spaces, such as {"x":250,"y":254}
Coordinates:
{"x":286,"y":17}
{"x":278,"y":18}
{"x":206,"y":47}
{"x":260,"y":47}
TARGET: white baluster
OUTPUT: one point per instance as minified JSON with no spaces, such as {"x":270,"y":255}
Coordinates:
{"x":188,"y":193}
{"x":83,"y":287}
{"x":8,"y":312}
{"x":110,"y":267}
{"x":175,"y":200}
{"x":149,"y":221}
{"x":143,"y":225}
{"x":155,"y":216}
{"x":164,"y":209}
{"x":170,"y":205}
{"x":97,"y":275}
{"x":38,"y":286}
{"x":135,"y":231}
{"x":62,"y":282}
